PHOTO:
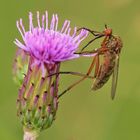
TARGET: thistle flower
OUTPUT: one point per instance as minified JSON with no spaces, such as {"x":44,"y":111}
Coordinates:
{"x":40,"y":55}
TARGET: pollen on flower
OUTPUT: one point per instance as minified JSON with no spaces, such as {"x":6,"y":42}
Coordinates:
{"x":47,"y":44}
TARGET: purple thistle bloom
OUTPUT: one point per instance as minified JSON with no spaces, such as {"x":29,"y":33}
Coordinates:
{"x":40,"y":55}
{"x":48,"y":44}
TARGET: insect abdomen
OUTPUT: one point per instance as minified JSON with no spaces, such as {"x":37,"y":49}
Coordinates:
{"x":105,"y":71}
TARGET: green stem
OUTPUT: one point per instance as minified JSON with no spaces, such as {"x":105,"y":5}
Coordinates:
{"x":30,"y":135}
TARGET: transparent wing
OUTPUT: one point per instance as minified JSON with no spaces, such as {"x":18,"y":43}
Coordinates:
{"x":115,"y":77}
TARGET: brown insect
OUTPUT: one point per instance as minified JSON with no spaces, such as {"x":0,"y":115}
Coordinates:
{"x":109,"y":52}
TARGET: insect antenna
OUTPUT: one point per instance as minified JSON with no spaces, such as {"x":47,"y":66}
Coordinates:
{"x":106,"y":26}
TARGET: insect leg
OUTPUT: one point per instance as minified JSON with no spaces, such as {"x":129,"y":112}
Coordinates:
{"x":72,"y":73}
{"x":77,"y":82}
{"x":95,"y":33}
{"x":91,"y":41}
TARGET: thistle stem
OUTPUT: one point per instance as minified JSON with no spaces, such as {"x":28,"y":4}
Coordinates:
{"x":30,"y":135}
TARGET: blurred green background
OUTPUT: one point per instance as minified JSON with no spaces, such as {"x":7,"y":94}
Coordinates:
{"x":82,"y":114}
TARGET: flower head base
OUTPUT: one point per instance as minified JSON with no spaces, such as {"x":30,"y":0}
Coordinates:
{"x":38,"y":99}
{"x":48,"y":44}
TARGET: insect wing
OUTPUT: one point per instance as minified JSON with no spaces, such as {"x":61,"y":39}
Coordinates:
{"x":115,"y":77}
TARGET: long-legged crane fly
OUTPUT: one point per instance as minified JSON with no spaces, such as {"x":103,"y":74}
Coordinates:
{"x":109,"y":51}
